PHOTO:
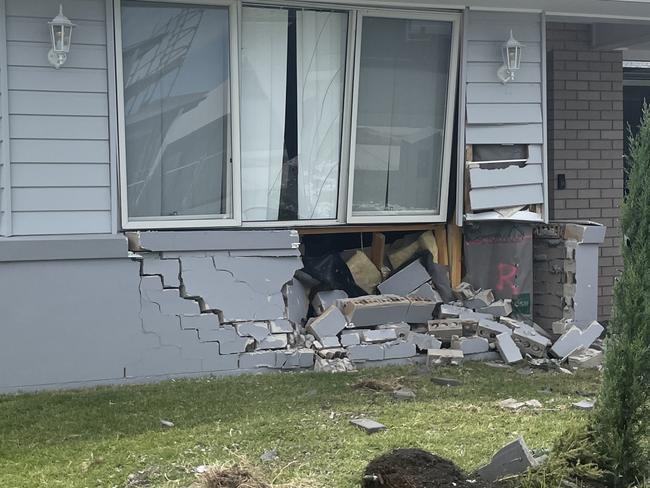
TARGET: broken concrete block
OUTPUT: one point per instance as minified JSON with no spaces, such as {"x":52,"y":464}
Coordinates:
{"x":500,"y":308}
{"x":168,"y":269}
{"x":350,"y":338}
{"x":226,"y":335}
{"x":405,"y":280}
{"x":258,"y":359}
{"x":371,"y":336}
{"x":399,"y":349}
{"x":508,"y":349}
{"x":482,"y":299}
{"x":591,"y":333}
{"x":402,"y":250}
{"x":514,"y":458}
{"x":586,"y":358}
{"x":328,"y":324}
{"x":530,"y":342}
{"x":404,"y":394}
{"x":423,"y":342}
{"x":475,"y":316}
{"x":436,"y":357}
{"x":274,"y":341}
{"x":420,"y":310}
{"x":560,"y":327}
{"x":297,"y":296}
{"x":366,"y":352}
{"x":491,"y":329}
{"x":363,"y":270}
{"x":568,"y":343}
{"x":332,"y":353}
{"x":281,"y":326}
{"x":448,"y":311}
{"x":484,"y":356}
{"x":340,"y":365}
{"x":445,"y":329}
{"x":257,"y":330}
{"x":426,"y":291}
{"x":464,"y":291}
{"x":471,"y":345}
{"x":512,"y":404}
{"x":368,"y":425}
{"x":402,"y":329}
{"x":300,"y":358}
{"x":374,"y":309}
{"x":325,"y":299}
{"x":327,"y":342}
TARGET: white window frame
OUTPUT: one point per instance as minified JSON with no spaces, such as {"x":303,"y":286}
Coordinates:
{"x":399,"y":216}
{"x":166,"y":222}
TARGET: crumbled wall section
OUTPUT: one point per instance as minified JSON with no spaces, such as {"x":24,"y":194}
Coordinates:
{"x":585,"y":128}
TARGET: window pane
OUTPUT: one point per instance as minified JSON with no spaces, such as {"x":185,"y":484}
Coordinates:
{"x":292,"y":82}
{"x":176,"y":110}
{"x":402,"y":100}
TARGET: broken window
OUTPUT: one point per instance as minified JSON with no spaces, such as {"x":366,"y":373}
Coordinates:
{"x":402,"y":126}
{"x":500,"y":153}
{"x":292,"y":84}
{"x":176,"y":102}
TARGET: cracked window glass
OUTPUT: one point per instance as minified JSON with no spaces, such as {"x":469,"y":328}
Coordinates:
{"x":401,"y":116}
{"x":176,"y":111}
{"x":292,"y":64}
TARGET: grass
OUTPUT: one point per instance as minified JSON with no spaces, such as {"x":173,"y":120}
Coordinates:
{"x":99,"y":437}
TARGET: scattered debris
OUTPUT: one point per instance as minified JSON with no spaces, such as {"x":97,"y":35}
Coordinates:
{"x":375,"y":385}
{"x":446,"y":381}
{"x":336,"y":365}
{"x":229,"y":477}
{"x":512,"y":404}
{"x":586,"y":358}
{"x":513,"y":458}
{"x":583,"y":405}
{"x":404,"y":394}
{"x":451,"y":357}
{"x":368,"y":425}
{"x":166,"y":423}
{"x":269,"y":456}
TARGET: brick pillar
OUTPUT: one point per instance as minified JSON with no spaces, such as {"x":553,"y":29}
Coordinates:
{"x":585,"y":130}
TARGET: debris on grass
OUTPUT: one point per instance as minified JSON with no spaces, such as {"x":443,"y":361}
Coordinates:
{"x":231,"y":477}
{"x":583,"y":405}
{"x":446,"y":381}
{"x":166,"y":423}
{"x":368,"y":425}
{"x":269,"y":456}
{"x":404,"y":394}
{"x":377,"y":385}
{"x":512,"y":404}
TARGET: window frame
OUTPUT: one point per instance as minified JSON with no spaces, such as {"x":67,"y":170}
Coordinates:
{"x":398,"y":216}
{"x":164,"y":222}
{"x":348,"y":132}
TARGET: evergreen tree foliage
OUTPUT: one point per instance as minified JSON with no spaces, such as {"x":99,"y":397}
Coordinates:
{"x":622,"y":418}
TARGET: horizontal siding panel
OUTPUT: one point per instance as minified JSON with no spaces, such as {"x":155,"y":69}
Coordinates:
{"x":58,"y":127}
{"x":513,"y":175}
{"x":500,"y":93}
{"x":62,"y":80}
{"x":535,"y":155}
{"x":490,"y":52}
{"x":51,"y":199}
{"x":500,"y":113}
{"x":502,"y":197}
{"x":34,"y":54}
{"x":60,"y":175}
{"x":68,"y":103}
{"x":74,"y":9}
{"x":487,"y":73}
{"x":31,"y":29}
{"x":40,"y":223}
{"x":528,"y":29}
{"x":505,"y":134}
{"x":59,"y":151}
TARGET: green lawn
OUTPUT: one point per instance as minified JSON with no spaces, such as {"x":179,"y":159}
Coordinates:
{"x":98,"y":437}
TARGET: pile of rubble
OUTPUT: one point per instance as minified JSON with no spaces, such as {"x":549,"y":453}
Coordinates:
{"x":416,"y":314}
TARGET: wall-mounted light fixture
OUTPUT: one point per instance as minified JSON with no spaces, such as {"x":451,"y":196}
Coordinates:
{"x":511,"y":52}
{"x":61,"y":32}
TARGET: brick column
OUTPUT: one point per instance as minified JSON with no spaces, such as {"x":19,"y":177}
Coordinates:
{"x":585,"y":130}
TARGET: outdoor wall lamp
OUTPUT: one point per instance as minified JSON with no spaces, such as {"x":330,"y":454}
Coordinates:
{"x":61,"y":32}
{"x":511,"y":52}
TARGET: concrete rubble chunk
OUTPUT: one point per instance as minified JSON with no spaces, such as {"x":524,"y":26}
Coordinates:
{"x":499,"y":308}
{"x":482,"y":299}
{"x":512,"y":404}
{"x":575,"y":339}
{"x":258,"y":359}
{"x":366,"y":352}
{"x":423,"y":342}
{"x":586,"y":358}
{"x":449,"y":311}
{"x":514,"y":458}
{"x":363,"y":270}
{"x":281,"y":326}
{"x":327,"y":342}
{"x":402,"y":250}
{"x":332,"y":353}
{"x":402,"y":329}
{"x":467,"y":314}
{"x":350,"y":338}
{"x":372,"y":336}
{"x":274,"y":341}
{"x":257,"y":330}
{"x":446,"y":381}
{"x":445,"y":329}
{"x":420,"y":310}
{"x":404,"y":394}
{"x":340,"y":365}
{"x":325,"y":299}
{"x":437,"y":357}
{"x":491,"y":329}
{"x":292,"y":359}
{"x":508,"y":349}
{"x":371,"y":310}
{"x":426,"y":291}
{"x":328,"y":324}
{"x":369,"y":426}
{"x":530,"y":342}
{"x":583,"y":405}
{"x":471,"y":345}
{"x":405,"y":280}
{"x":490,"y":356}
{"x":399,"y":349}
{"x":297,"y":296}
{"x":464,"y":291}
